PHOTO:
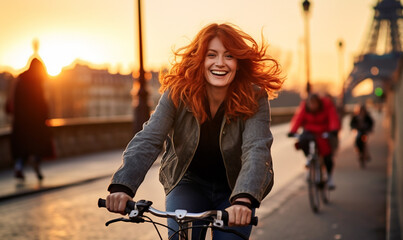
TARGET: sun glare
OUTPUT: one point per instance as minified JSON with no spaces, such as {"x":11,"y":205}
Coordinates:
{"x":56,"y":58}
{"x":53,"y":70}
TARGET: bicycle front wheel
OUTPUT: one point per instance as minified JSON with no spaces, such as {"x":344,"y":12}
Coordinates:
{"x":313,"y":187}
{"x":325,"y":193}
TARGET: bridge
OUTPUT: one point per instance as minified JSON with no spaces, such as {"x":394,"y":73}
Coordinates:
{"x":381,"y":55}
{"x":381,"y":61}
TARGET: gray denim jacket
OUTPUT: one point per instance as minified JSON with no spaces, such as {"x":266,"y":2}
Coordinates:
{"x":245,"y":147}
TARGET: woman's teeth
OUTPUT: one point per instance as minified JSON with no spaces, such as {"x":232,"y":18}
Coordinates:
{"x":219,"y":73}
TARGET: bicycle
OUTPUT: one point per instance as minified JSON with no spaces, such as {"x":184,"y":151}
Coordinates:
{"x":361,"y":145}
{"x":215,"y":219}
{"x":317,"y":178}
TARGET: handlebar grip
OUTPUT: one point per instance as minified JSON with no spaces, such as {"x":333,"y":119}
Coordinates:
{"x":129,"y":205}
{"x":253,"y":221}
{"x":101,"y":203}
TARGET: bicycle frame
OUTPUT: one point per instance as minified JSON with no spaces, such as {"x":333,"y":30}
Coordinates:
{"x":185,"y":222}
{"x":183,"y":218}
{"x":361,"y":145}
{"x":316,"y":178}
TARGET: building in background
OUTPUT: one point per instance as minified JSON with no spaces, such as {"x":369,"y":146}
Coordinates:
{"x":84,"y":92}
{"x":6,"y":80}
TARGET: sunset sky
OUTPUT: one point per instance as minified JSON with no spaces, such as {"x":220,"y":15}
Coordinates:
{"x":104,"y":32}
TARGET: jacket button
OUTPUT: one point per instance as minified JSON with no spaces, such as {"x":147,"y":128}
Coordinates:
{"x":267,"y":163}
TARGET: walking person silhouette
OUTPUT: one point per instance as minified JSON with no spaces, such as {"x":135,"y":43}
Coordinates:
{"x":30,"y":135}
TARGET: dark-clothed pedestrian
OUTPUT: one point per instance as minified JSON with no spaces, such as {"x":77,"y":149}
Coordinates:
{"x":363,"y":123}
{"x":30,"y":137}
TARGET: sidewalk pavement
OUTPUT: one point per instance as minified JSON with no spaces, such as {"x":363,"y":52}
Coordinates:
{"x":357,"y":208}
{"x":60,"y":173}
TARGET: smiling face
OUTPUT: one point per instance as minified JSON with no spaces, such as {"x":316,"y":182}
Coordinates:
{"x":219,"y":65}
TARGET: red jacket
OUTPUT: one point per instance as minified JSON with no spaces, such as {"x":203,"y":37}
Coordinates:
{"x":326,"y":120}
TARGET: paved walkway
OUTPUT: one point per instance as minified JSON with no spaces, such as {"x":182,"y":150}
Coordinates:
{"x":60,"y":173}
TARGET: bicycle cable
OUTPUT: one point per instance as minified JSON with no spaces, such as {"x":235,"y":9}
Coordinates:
{"x":211,"y":227}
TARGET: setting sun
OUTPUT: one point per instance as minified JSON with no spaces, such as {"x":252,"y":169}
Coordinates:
{"x":59,"y":50}
{"x":53,"y":60}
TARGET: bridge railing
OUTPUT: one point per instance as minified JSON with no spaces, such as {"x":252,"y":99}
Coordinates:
{"x":395,"y":162}
{"x":73,"y":137}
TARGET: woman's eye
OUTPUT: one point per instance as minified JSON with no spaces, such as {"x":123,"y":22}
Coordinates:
{"x":228,"y":56}
{"x":211,"y":55}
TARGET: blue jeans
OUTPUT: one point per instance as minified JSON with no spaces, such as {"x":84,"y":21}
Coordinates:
{"x":20,"y":161}
{"x":197,"y":195}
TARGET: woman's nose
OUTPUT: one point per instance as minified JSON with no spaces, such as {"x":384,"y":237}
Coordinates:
{"x":220,"y":61}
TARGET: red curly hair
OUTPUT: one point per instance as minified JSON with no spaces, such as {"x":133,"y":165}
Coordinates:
{"x":186,"y":81}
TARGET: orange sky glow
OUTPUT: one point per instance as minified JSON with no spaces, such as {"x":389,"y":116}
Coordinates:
{"x":104,"y":32}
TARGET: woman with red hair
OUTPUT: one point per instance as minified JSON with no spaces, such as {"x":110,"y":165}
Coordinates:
{"x":214,"y":118}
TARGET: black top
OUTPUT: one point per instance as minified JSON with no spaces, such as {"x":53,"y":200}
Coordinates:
{"x":207,"y":162}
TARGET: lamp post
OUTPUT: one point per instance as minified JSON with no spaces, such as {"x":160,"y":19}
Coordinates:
{"x":340,"y":107}
{"x":305,"y":6}
{"x":142,"y":110}
{"x":340,"y":46}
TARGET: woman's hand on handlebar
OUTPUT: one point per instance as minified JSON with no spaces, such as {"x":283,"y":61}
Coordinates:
{"x":116,"y":202}
{"x":239,"y":215}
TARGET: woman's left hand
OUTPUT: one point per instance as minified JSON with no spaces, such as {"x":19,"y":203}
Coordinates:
{"x":239,"y":215}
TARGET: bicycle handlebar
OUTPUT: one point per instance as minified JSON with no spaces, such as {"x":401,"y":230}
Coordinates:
{"x":324,"y":135}
{"x":180,"y":214}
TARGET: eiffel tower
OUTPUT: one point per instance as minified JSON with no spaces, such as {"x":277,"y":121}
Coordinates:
{"x":382,"y":49}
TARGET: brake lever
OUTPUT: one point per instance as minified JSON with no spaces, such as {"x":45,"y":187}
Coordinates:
{"x":122,"y":219}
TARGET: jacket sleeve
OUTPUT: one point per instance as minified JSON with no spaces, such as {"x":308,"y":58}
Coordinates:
{"x":145,"y":146}
{"x":256,"y":176}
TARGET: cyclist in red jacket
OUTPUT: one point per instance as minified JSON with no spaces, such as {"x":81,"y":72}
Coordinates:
{"x":316,"y":116}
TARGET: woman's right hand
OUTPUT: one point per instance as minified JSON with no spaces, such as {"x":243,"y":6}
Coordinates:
{"x":116,"y":202}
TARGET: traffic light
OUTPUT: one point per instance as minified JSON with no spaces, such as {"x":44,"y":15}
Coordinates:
{"x":378,"y":92}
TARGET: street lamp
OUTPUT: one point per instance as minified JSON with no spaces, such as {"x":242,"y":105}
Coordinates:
{"x":305,"y":6}
{"x":142,"y":110}
{"x":340,"y":107}
{"x":340,"y":46}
